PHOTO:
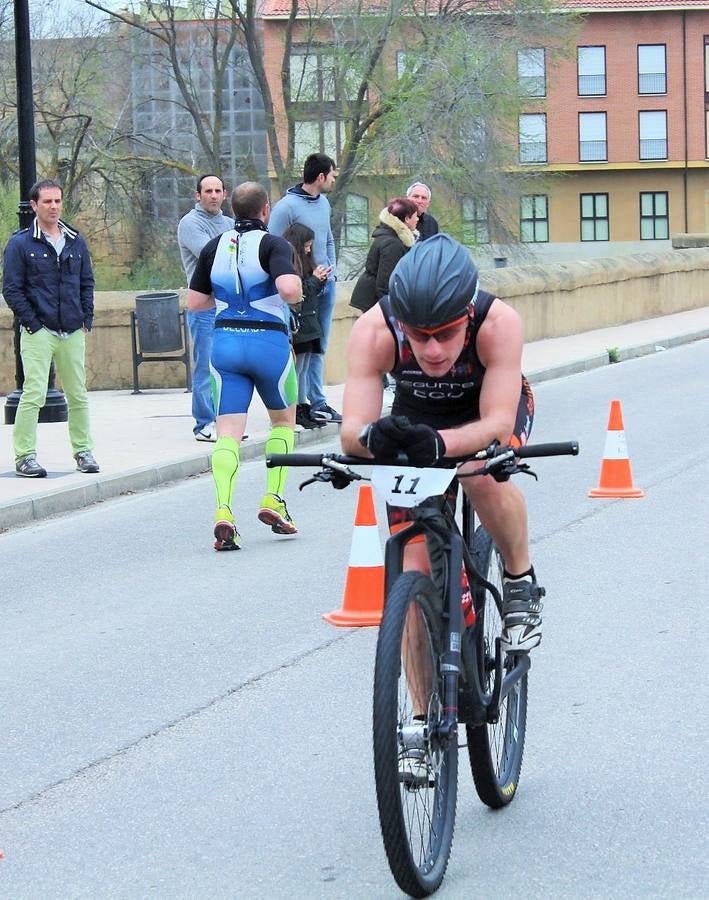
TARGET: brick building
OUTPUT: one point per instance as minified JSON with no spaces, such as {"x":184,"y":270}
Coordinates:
{"x":625,"y":121}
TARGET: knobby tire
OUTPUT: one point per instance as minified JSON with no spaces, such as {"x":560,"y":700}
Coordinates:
{"x":495,"y":749}
{"x":417,"y":823}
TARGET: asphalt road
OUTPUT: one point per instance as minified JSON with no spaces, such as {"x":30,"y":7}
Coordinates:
{"x":181,"y":724}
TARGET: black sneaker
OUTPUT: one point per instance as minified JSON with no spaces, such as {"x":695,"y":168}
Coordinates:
{"x":325,"y":414}
{"x":29,"y":467}
{"x":302,"y":416}
{"x":522,"y":615}
{"x":85,"y":462}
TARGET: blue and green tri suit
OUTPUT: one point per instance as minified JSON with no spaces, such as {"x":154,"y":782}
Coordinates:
{"x":250,"y":346}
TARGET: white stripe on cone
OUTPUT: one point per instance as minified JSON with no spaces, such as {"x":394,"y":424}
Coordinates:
{"x":366,"y":549}
{"x":615,"y":446}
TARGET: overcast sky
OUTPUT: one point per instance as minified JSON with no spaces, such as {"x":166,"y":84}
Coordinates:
{"x":53,"y":17}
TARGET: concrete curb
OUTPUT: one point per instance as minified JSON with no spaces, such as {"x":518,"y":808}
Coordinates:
{"x":106,"y":487}
{"x":62,"y":500}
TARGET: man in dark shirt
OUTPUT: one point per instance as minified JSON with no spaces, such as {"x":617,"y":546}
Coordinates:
{"x":420,"y":193}
{"x":49,"y":284}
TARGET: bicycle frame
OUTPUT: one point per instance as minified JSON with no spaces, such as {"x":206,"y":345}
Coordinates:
{"x":447,"y":553}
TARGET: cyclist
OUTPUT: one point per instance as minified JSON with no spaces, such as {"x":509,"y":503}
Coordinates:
{"x":455,"y":352}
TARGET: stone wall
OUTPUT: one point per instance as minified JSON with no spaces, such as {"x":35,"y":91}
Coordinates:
{"x":553,"y":300}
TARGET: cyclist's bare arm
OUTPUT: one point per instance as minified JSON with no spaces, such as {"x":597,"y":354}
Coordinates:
{"x":499,"y":347}
{"x":370,"y":354}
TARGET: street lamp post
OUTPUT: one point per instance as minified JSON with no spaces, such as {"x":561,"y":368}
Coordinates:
{"x":54,"y":409}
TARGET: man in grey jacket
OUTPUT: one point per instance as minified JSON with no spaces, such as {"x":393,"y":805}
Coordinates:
{"x":197,"y":228}
{"x":304,"y":203}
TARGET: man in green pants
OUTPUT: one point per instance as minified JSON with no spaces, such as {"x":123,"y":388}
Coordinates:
{"x":49,"y":284}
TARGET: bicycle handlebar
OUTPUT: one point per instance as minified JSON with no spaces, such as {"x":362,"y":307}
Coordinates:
{"x":562,"y":448}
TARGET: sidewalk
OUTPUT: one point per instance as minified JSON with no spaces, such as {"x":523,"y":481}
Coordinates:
{"x":145,"y":440}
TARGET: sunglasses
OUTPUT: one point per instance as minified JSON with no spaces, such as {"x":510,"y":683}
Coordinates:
{"x":441,"y":333}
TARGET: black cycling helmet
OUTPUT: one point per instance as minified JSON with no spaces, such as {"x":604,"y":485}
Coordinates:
{"x":433,"y":283}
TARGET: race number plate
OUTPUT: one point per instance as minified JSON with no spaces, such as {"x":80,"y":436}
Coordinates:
{"x":406,"y":486}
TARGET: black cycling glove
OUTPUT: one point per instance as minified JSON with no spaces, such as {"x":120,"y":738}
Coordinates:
{"x":388,"y":437}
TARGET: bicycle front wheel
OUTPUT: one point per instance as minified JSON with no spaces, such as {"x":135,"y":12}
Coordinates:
{"x":495,"y":748}
{"x":416,"y":772}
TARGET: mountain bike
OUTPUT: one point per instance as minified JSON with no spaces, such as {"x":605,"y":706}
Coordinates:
{"x":432,"y":671}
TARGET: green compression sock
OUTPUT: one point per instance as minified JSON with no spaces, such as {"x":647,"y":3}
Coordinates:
{"x":280,"y":440}
{"x":225,"y":468}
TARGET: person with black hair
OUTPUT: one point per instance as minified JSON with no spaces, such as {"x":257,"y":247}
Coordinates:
{"x":306,"y":339}
{"x":307,"y":203}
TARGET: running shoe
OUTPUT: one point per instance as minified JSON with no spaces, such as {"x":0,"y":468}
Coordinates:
{"x":226,"y":537}
{"x":28,"y":467}
{"x":274,"y":512}
{"x":521,"y":614}
{"x":323,"y":415}
{"x":85,"y":462}
{"x":302,"y":416}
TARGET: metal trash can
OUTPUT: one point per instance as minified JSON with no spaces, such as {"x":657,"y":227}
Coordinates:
{"x":158,"y":319}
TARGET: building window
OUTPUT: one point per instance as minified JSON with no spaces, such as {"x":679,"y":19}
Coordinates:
{"x":531,"y":72}
{"x":653,"y":134}
{"x":652,"y":69}
{"x":355,"y":227}
{"x":534,"y":218}
{"x":533,"y":138}
{"x":654,"y":216}
{"x":312,"y":76}
{"x":473,"y":139}
{"x":475,"y":221}
{"x":318,"y":136}
{"x":407,"y":63}
{"x":593,"y":145}
{"x":592,"y":71}
{"x":594,"y":217}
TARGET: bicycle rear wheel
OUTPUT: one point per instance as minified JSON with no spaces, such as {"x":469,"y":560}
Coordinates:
{"x":495,"y":748}
{"x":416,"y":773}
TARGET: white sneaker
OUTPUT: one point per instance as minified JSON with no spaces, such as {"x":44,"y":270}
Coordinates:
{"x":207,"y":433}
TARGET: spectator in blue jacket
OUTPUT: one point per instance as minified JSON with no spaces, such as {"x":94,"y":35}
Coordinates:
{"x":49,"y":284}
{"x":306,"y":204}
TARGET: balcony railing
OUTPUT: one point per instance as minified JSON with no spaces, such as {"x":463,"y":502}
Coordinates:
{"x":592,"y":85}
{"x":652,"y":83}
{"x":653,"y":149}
{"x":532,"y":85}
{"x":532,"y":151}
{"x":593,"y":151}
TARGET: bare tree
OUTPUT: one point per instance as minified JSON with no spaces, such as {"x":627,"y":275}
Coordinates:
{"x":390,"y":88}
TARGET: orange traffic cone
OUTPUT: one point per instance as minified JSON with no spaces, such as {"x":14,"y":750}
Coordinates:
{"x":363,"y":600}
{"x":616,"y":475}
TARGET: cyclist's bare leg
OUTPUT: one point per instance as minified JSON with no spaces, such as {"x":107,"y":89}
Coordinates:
{"x":416,"y":657}
{"x":414,"y":654}
{"x":502,"y":510}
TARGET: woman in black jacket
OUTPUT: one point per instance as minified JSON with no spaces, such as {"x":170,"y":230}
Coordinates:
{"x":391,"y":239}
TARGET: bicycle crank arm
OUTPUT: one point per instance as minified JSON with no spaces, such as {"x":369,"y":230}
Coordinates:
{"x":504,"y":684}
